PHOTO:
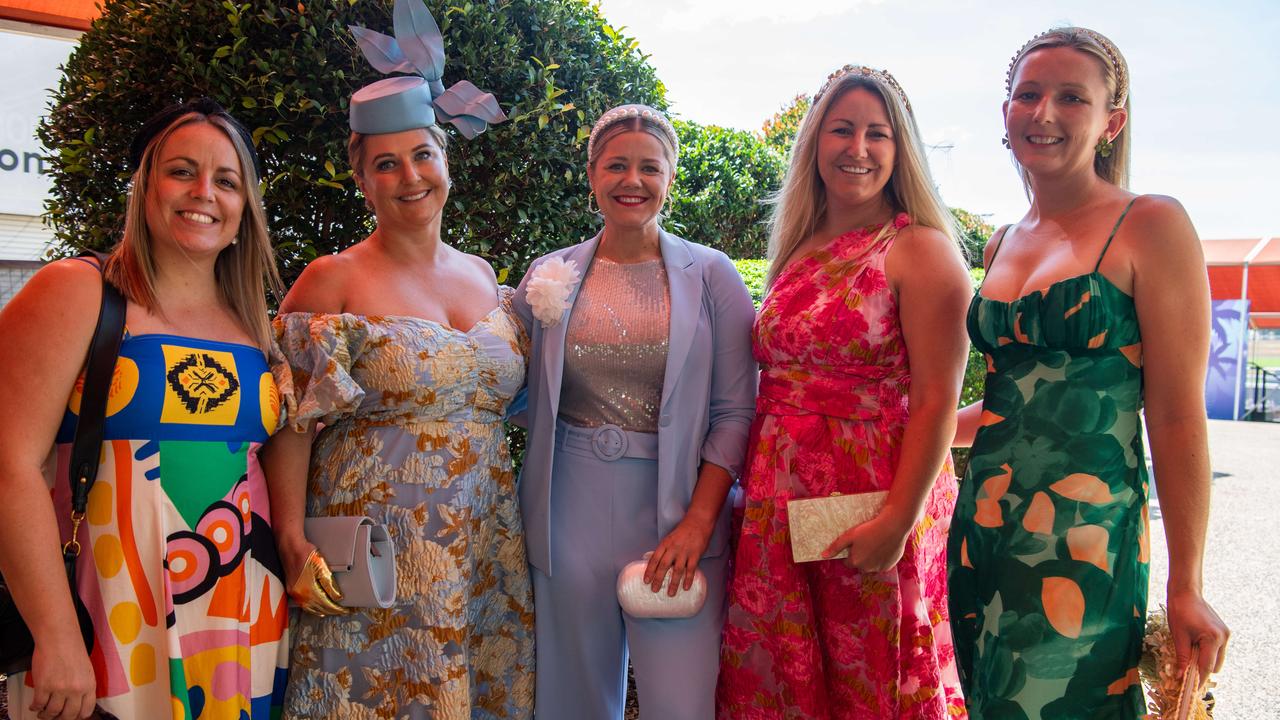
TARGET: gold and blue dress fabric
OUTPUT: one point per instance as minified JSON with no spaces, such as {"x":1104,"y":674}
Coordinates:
{"x":179,"y":569}
{"x":413,"y":436}
{"x":1048,"y":554}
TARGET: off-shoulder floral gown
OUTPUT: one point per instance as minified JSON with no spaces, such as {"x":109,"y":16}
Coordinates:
{"x":413,"y":437}
{"x":820,"y":640}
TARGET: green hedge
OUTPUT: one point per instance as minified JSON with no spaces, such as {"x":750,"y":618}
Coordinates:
{"x":287,"y":70}
{"x":722,"y":182}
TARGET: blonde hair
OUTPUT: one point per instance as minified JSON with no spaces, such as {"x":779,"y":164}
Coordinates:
{"x":601,"y":136}
{"x":355,"y":147}
{"x":1115,"y":74}
{"x":243,"y":270}
{"x":801,"y":203}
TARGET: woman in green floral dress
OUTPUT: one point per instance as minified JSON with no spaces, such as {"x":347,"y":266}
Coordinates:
{"x":1095,"y":304}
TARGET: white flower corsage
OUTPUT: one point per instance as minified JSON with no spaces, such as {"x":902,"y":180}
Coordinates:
{"x":549,"y":287}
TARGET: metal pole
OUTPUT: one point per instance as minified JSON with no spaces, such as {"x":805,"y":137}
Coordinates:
{"x":1241,"y":373}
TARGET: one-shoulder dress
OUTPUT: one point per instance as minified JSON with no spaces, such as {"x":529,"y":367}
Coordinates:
{"x":820,"y":640}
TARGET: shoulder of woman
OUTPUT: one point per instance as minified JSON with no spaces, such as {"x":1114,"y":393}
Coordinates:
{"x":558,"y":253}
{"x":1158,"y":224}
{"x":1156,"y":210}
{"x":704,"y":254}
{"x":479,"y":265}
{"x":914,"y":235}
{"x":64,"y":295}
{"x":918,"y":243}
{"x":319,"y":287}
{"x":72,"y":282}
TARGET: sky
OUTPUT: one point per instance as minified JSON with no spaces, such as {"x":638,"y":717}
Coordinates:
{"x":1205,"y":84}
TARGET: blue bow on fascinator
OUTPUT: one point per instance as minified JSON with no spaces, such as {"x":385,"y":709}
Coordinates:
{"x":413,"y":101}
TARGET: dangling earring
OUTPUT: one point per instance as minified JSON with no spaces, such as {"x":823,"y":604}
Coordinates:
{"x":1005,"y":141}
{"x":235,"y":239}
{"x":591,"y":200}
{"x":1104,"y":147}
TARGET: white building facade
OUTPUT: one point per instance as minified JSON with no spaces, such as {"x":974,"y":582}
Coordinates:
{"x":32,"y":56}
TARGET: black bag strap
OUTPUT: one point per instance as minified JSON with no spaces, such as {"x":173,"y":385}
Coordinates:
{"x":99,"y":367}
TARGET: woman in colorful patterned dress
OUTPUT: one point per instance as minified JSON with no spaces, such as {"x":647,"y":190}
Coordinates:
{"x":405,"y":350}
{"x":180,"y":572}
{"x":1094,"y":304}
{"x":861,"y":360}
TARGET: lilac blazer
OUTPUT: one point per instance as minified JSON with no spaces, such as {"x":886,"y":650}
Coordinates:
{"x":708,"y":392}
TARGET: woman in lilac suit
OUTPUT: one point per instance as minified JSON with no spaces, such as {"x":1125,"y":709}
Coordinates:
{"x":641,"y":391}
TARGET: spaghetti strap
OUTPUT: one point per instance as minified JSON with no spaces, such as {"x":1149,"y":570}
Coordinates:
{"x":1113,"y":234}
{"x":999,"y":244}
{"x":90,"y":260}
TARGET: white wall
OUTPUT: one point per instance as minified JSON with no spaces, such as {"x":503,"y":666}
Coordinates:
{"x":32,"y":56}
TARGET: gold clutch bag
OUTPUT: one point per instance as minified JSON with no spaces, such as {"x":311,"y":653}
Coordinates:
{"x":815,"y":523}
{"x":1172,"y":695}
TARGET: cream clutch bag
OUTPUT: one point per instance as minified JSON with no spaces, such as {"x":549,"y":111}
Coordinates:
{"x":816,"y":522}
{"x":639,"y":600}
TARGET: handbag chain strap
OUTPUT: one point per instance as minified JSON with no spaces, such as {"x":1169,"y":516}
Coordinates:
{"x":100,"y":365}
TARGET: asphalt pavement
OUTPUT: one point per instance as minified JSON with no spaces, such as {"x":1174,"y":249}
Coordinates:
{"x":1242,"y":565}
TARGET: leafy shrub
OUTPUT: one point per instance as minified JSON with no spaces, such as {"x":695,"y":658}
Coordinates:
{"x":753,"y":272}
{"x":779,"y":131}
{"x":974,"y":234}
{"x":286,"y":70}
{"x":722,"y":181}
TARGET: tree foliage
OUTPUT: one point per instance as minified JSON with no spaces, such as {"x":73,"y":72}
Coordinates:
{"x":286,"y":70}
{"x":779,"y":132}
{"x":974,"y":234}
{"x":722,"y":183}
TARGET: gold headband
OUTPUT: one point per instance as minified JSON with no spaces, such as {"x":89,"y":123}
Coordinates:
{"x":1118,"y":67}
{"x":869,"y":72}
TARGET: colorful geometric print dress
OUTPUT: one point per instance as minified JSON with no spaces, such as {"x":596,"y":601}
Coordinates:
{"x":414,"y":438}
{"x":1049,"y":547}
{"x":819,"y":640}
{"x":180,"y":570}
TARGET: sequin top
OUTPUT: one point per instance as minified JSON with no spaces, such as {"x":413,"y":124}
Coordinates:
{"x":616,"y":346}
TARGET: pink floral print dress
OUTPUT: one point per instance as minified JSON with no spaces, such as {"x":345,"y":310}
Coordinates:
{"x":820,"y":640}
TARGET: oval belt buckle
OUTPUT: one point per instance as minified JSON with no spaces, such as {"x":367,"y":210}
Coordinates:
{"x":609,"y":442}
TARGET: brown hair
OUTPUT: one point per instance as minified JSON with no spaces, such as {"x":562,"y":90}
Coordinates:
{"x":241,"y":270}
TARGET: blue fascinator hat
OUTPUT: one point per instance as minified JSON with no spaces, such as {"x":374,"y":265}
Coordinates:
{"x":418,"y":99}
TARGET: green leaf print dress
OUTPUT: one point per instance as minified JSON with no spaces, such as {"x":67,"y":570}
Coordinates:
{"x":1048,"y":551}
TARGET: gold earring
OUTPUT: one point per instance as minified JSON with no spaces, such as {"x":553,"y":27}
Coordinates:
{"x":591,"y":200}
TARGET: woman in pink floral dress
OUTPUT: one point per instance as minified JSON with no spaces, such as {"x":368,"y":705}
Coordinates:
{"x":862,"y":348}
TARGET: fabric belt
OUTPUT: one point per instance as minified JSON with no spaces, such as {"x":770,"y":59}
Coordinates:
{"x":607,"y":442}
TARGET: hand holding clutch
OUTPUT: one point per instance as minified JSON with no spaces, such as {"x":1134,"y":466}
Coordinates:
{"x":641,"y":601}
{"x":815,"y":523}
{"x":315,"y":590}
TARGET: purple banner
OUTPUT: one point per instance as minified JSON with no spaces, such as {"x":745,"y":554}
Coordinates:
{"x":1228,"y":360}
